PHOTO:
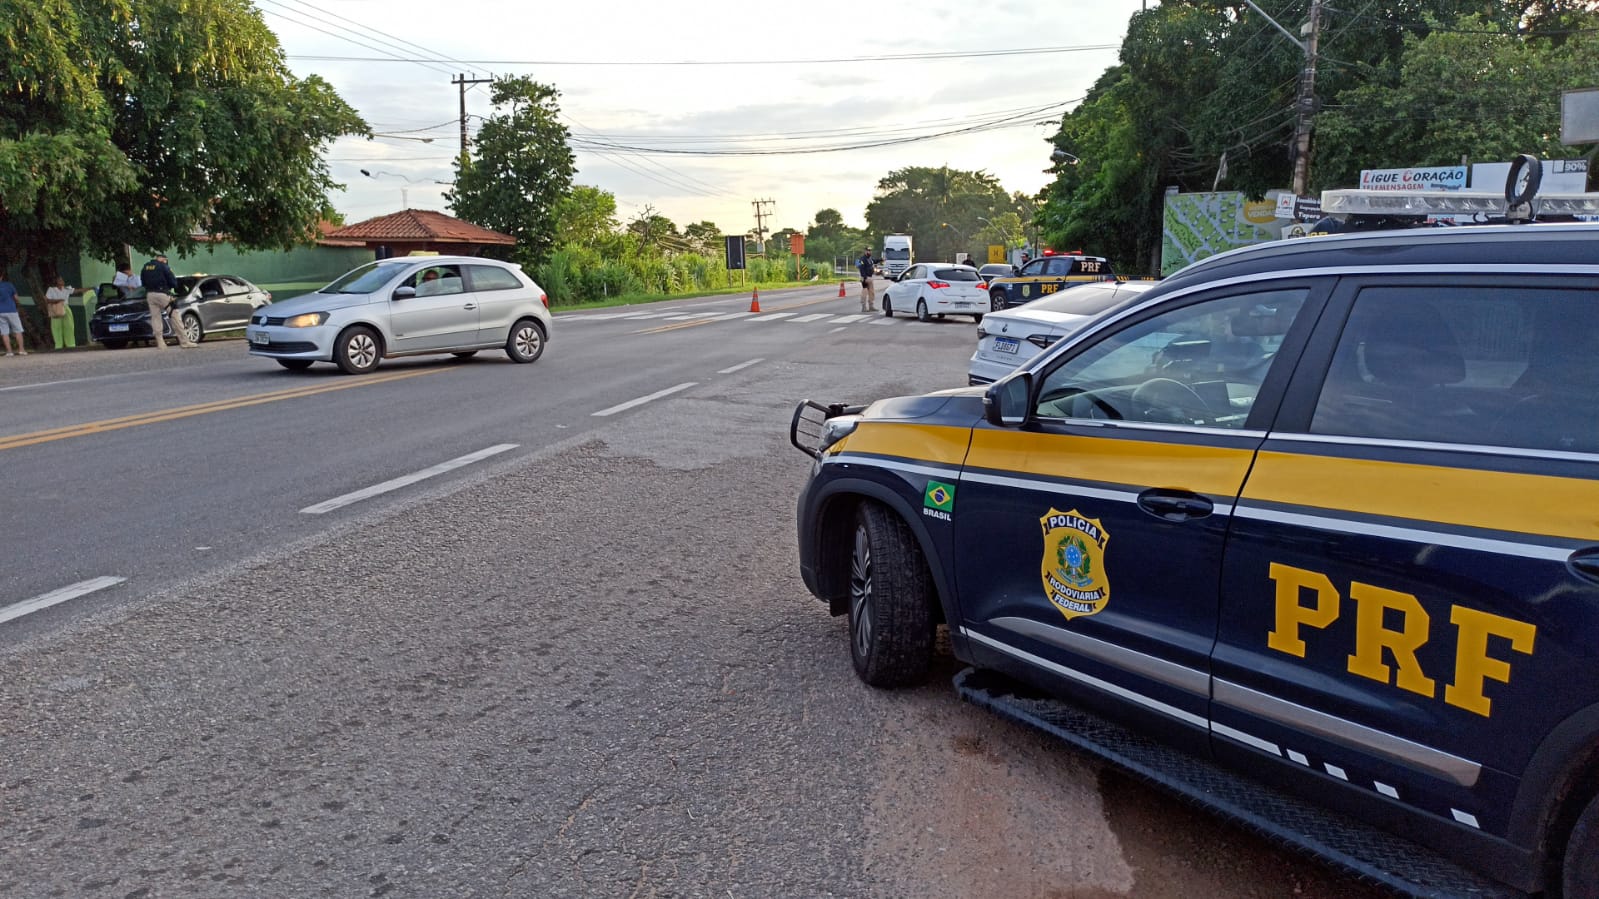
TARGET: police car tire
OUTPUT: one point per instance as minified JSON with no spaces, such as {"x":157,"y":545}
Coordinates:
{"x":1579,"y":870}
{"x":997,"y":299}
{"x":897,"y":606}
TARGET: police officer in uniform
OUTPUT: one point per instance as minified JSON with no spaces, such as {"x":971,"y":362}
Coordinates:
{"x":159,"y":285}
{"x":868,"y":293}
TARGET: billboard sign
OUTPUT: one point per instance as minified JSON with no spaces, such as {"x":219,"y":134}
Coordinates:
{"x":735,"y":251}
{"x":1443,"y":177}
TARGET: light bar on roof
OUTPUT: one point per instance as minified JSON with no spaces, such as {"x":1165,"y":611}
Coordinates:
{"x":1447,"y":202}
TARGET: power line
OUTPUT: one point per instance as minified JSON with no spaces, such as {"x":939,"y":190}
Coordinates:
{"x":290,"y":15}
{"x":837,"y":148}
{"x":892,"y":57}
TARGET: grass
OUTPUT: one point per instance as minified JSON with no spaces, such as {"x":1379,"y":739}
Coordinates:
{"x":632,"y":299}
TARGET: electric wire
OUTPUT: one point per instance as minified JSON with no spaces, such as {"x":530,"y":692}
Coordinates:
{"x":891,"y":57}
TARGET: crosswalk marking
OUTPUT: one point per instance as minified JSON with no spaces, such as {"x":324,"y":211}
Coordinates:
{"x":846,"y":319}
{"x":815,"y":316}
{"x":771,"y":316}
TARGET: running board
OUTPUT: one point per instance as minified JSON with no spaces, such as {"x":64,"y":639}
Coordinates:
{"x":1365,"y":851}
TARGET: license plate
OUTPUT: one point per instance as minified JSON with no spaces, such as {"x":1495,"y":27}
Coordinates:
{"x":115,"y":328}
{"x":1006,"y":345}
{"x":260,"y":339}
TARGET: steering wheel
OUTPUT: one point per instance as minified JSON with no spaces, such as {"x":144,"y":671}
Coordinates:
{"x":1173,"y":401}
{"x":1097,"y":402}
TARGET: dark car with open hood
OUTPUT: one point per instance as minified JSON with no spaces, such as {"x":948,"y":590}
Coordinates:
{"x":207,"y":304}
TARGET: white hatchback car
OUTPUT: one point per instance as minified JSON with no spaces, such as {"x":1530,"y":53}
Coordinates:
{"x":1007,"y":338}
{"x":407,"y":306}
{"x":936,"y":289}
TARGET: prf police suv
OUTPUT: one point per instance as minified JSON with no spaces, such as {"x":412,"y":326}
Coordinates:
{"x":1048,"y":274}
{"x":1322,"y":510}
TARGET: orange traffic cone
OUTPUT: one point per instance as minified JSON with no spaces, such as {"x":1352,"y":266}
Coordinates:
{"x":841,"y":288}
{"x":755,"y":300}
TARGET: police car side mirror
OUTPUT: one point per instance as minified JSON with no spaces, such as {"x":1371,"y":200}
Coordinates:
{"x":1007,"y":402}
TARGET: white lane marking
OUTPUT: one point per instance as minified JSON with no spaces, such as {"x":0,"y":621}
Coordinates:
{"x":623,"y":407}
{"x":836,"y":330}
{"x":813,"y":317}
{"x":56,"y":597}
{"x":339,"y":502}
{"x":740,"y":366}
{"x":885,"y":320}
{"x":65,"y":381}
{"x":846,"y":319}
{"x":773,"y":316}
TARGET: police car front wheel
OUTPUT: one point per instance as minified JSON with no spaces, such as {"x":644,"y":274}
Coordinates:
{"x":1579,"y":876}
{"x":890,"y":601}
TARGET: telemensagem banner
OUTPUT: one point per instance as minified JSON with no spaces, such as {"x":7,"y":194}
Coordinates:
{"x":1442,"y":177}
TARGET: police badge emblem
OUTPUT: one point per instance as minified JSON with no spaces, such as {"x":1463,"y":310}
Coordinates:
{"x":1073,"y":568}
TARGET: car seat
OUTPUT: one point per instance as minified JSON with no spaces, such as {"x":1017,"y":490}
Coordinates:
{"x":1391,"y":377}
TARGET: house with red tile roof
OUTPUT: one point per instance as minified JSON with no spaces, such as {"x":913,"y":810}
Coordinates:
{"x":421,"y":230}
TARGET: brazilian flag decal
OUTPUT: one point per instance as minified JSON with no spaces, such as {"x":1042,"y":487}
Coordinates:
{"x":939,"y":496}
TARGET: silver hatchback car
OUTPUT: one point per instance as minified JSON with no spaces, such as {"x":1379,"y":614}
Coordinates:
{"x":407,"y":306}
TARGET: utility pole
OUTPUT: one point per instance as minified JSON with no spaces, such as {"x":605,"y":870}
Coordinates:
{"x":463,"y":81}
{"x":761,"y":213}
{"x":1306,"y":104}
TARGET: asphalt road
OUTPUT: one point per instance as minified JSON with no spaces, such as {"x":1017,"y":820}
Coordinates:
{"x":582,"y":665}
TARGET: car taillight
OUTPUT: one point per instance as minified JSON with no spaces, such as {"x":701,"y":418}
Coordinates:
{"x":981,"y":286}
{"x":545,"y":299}
{"x":938,"y":285}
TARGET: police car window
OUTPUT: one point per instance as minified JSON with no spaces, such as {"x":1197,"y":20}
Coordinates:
{"x":1473,"y":365}
{"x":1034,"y":268}
{"x":955,"y":274}
{"x":1058,"y":267}
{"x":1200,"y":364}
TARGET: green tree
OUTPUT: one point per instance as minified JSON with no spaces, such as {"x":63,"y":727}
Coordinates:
{"x":139,"y":121}
{"x":1463,"y":92}
{"x":938,"y":207}
{"x":703,"y":237}
{"x":585,"y":217}
{"x":521,"y":169}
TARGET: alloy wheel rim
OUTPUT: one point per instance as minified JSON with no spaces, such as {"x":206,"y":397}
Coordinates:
{"x":860,"y":591}
{"x":362,"y":350}
{"x":527,"y":341}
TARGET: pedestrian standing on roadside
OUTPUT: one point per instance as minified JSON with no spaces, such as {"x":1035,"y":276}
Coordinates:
{"x":864,"y":265}
{"x":60,"y":313}
{"x":159,"y":285}
{"x":10,"y":318}
{"x":125,"y":281}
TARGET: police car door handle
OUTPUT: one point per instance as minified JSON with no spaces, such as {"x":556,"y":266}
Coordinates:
{"x":1586,"y":562}
{"x":1174,"y":505}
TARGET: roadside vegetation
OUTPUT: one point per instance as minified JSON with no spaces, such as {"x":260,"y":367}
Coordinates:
{"x":1398,"y":84}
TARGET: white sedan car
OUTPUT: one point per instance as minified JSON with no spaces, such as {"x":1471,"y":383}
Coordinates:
{"x":936,"y":289}
{"x":1007,"y":338}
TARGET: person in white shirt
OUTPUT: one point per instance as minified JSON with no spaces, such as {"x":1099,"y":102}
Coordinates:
{"x":60,"y":313}
{"x":125,"y":281}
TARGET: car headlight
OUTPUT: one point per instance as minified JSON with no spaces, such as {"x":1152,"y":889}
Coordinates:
{"x":305,"y":320}
{"x":836,"y":429}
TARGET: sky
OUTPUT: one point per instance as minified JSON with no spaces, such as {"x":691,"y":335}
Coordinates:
{"x":766,"y":77}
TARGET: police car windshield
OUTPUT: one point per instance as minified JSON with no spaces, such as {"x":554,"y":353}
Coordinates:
{"x":955,"y":274}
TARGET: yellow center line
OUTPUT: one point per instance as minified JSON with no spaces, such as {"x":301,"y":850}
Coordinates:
{"x":711,"y":321}
{"x":148,"y":418}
